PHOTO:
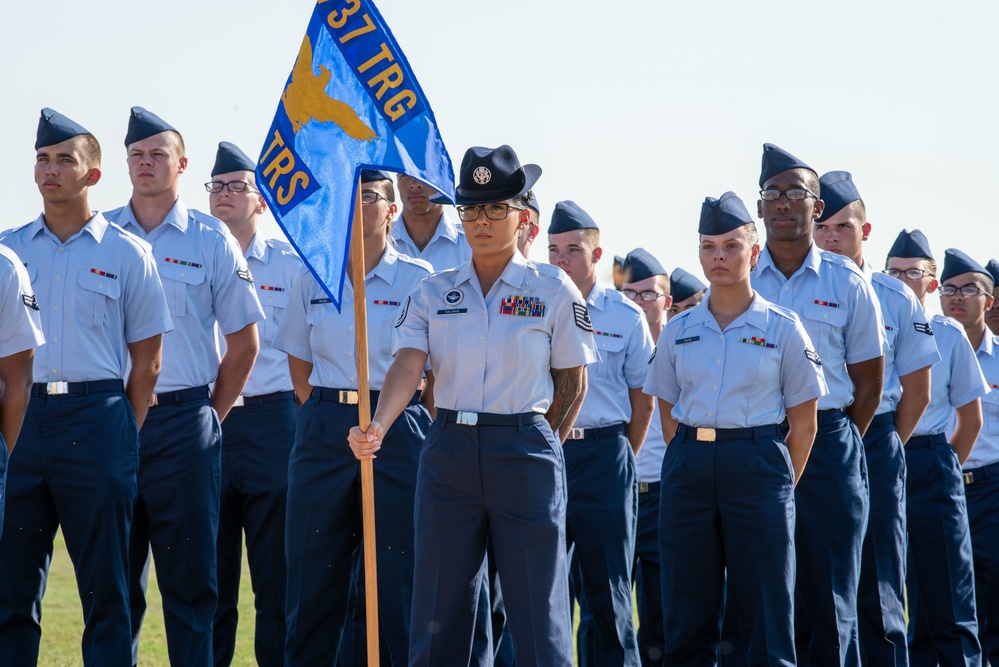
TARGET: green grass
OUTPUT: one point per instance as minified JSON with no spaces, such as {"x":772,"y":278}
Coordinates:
{"x":62,"y":619}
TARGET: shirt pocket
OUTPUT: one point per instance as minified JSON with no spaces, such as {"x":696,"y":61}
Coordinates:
{"x":274,"y":304}
{"x":990,"y":413}
{"x":97,"y":296}
{"x":767,"y":369}
{"x":180,"y":283}
{"x":611,"y":366}
{"x":827,"y":324}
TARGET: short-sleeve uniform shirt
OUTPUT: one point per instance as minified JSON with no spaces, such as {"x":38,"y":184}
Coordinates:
{"x":955,"y":380}
{"x":911,"y":344}
{"x":206,"y":281}
{"x":22,"y":323}
{"x":96,"y":293}
{"x":838,"y":309}
{"x":746,"y":375}
{"x":312,"y":330}
{"x":447,"y":247}
{"x":625,"y":345}
{"x":494,"y":353}
{"x":986,"y":449}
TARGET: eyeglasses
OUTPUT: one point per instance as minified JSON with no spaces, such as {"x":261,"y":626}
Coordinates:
{"x":234,"y":187}
{"x":965,"y":290}
{"x":470,"y":213}
{"x":794,"y":194}
{"x":647,"y":295}
{"x":370,"y":197}
{"x":911,"y":274}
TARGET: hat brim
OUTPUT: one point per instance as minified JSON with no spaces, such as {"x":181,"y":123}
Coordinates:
{"x":532,"y":173}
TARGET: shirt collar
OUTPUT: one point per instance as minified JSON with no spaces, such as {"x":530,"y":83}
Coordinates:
{"x":513,"y":275}
{"x":387,"y":266}
{"x":177,"y":216}
{"x":258,"y":249}
{"x":96,"y":226}
{"x":986,"y":346}
{"x":755,"y":316}
{"x":446,"y":228}
{"x":812,"y":261}
{"x":598,"y":294}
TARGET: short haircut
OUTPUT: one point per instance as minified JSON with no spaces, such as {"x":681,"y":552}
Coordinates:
{"x":90,"y":150}
{"x":384,"y":186}
{"x":985,"y":282}
{"x":591,"y":237}
{"x":662,"y":284}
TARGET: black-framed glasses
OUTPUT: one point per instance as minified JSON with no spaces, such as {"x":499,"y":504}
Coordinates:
{"x":911,"y":274}
{"x":794,"y":194}
{"x":370,"y":197}
{"x":235,"y":187}
{"x":646,"y":295}
{"x":968,"y":290}
{"x":496,"y":211}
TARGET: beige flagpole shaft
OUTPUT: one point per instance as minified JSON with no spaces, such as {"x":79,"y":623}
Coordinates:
{"x":364,"y":417}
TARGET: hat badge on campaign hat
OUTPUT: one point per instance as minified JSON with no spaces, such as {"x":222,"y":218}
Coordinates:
{"x":722,"y":215}
{"x":777,"y":160}
{"x":838,"y":192}
{"x":55,"y":128}
{"x":491,"y":175}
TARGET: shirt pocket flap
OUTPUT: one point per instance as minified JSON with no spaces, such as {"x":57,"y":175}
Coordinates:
{"x":94,"y":282}
{"x":609,"y":342}
{"x":834,"y":316}
{"x":274,"y":299}
{"x":191,"y":275}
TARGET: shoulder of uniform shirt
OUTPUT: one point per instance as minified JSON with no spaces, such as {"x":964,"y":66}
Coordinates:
{"x":422,"y":263}
{"x":942,"y":323}
{"x":840,"y":260}
{"x":549,"y":271}
{"x":678,"y":320}
{"x":208,"y":221}
{"x":13,"y":230}
{"x":113,"y":214}
{"x":781,"y":311}
{"x":614,"y":296}
{"x":9,"y":256}
{"x":143,"y":246}
{"x":283,"y":248}
{"x":894,"y":284}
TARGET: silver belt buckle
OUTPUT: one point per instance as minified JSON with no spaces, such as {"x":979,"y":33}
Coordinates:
{"x":705,"y":434}
{"x":467,"y":418}
{"x":969,"y":478}
{"x":154,"y":400}
{"x":576,"y":433}
{"x":348,"y":397}
{"x":56,"y":388}
{"x":238,"y":403}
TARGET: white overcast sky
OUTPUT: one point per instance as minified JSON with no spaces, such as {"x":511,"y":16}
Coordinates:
{"x":636,"y":111}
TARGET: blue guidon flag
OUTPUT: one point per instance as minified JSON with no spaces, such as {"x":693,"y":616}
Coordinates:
{"x":351,"y":103}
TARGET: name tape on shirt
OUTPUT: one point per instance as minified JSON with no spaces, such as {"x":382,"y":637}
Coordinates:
{"x":403,"y":313}
{"x":452,"y":311}
{"x":524,"y":306}
{"x":30,"y":301}
{"x":813,"y":357}
{"x":827,"y":304}
{"x":923,"y":328}
{"x":762,"y":342}
{"x":244,"y":274}
{"x":104,"y":274}
{"x":688,"y":339}
{"x":319,"y":302}
{"x":582,"y":317}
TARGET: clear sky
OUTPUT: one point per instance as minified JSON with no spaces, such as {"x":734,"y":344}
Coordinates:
{"x":636,"y":111}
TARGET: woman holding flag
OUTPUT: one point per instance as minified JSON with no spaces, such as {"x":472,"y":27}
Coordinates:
{"x":507,"y":340}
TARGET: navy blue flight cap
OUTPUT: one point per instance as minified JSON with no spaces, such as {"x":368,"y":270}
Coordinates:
{"x":838,"y":190}
{"x":143,"y":124}
{"x":683,"y":285}
{"x":569,"y":217}
{"x":993,"y":268}
{"x":722,"y":215}
{"x":618,"y":261}
{"x":911,"y":245}
{"x":491,"y":175}
{"x":639,"y":264}
{"x":956,"y":263}
{"x":54,"y":128}
{"x":776,"y":160}
{"x":533,"y":203}
{"x":372,"y":175}
{"x":229,"y":158}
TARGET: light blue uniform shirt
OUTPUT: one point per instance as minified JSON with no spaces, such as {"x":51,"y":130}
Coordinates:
{"x":97,"y":292}
{"x":838,"y":309}
{"x":22,"y":323}
{"x":625,"y":346}
{"x":910,"y":338}
{"x":986,"y":448}
{"x":206,"y":280}
{"x":274,"y":266}
{"x":494,"y":354}
{"x":446,"y":249}
{"x":746,"y":375}
{"x":649,"y":462}
{"x":312,"y":329}
{"x":955,"y":381}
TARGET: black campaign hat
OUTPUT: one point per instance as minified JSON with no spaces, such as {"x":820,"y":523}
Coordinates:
{"x":491,"y":175}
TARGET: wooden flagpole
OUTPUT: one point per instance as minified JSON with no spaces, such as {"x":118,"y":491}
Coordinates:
{"x":364,"y":420}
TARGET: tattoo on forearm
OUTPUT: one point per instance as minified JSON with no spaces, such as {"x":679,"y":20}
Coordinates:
{"x":568,"y":382}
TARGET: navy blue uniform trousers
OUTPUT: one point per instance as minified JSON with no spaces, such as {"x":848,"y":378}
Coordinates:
{"x":729,"y":505}
{"x":176,"y":521}
{"x":647,"y":573}
{"x":940,"y":581}
{"x":832,"y":506}
{"x":256,"y":443}
{"x":492,"y":645}
{"x":507,"y":483}
{"x":880,"y":599}
{"x":323,"y":534}
{"x":75,"y":465}
{"x":601,"y":517}
{"x":982,"y":492}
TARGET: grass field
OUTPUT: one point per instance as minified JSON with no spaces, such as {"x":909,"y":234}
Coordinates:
{"x":62,"y":619}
